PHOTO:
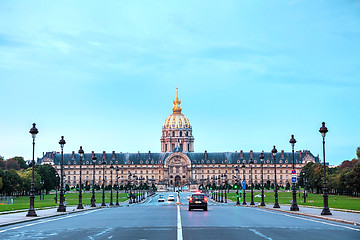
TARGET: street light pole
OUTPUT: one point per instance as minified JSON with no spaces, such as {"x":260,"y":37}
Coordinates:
{"x":111,"y":184}
{"x":237,"y":185}
{"x":326,"y":211}
{"x":304,"y":180}
{"x":244,"y":201}
{"x":225,"y":177}
{"x":262,"y":179}
{"x":103,"y":184}
{"x":93,"y":200}
{"x":294,"y":206}
{"x":273,"y":152}
{"x":117,"y":186}
{"x":62,"y":207}
{"x":221,"y":188}
{"x":31,"y":213}
{"x":81,"y":153}
{"x":251,"y":182}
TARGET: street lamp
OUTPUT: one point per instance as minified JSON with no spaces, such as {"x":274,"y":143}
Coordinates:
{"x":31,"y":213}
{"x":103,"y":184}
{"x":262,"y":179}
{"x":237,"y":185}
{"x":251,"y":182}
{"x":117,"y":186}
{"x":111,"y":184}
{"x":81,"y":153}
{"x":304,"y":181}
{"x":326,"y":211}
{"x":294,"y":206}
{"x":130,"y":192}
{"x":273,"y":152}
{"x":244,"y":188}
{"x":56,"y":186}
{"x":221,"y":188}
{"x":225,"y":187}
{"x":93,"y":200}
{"x":62,"y":207}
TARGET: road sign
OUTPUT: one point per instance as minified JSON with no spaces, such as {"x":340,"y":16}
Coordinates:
{"x":293,"y":179}
{"x":243,"y":184}
{"x":293,"y":171}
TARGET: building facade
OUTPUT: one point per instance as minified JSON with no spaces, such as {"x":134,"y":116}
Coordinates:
{"x":177,"y":164}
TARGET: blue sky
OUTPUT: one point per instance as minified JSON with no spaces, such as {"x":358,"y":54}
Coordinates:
{"x":249,"y":73}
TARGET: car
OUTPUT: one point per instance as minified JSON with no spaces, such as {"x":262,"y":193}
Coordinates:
{"x":198,"y":201}
{"x":171,"y":198}
{"x":188,"y":197}
{"x":161,"y":198}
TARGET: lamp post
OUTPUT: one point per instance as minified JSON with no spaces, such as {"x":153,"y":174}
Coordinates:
{"x":31,"y":213}
{"x":81,"y":154}
{"x":243,"y":168}
{"x":276,"y":204}
{"x":251,"y":182}
{"x":93,"y":200}
{"x":56,"y":186}
{"x":129,"y":184}
{"x":237,"y":185}
{"x":221,"y":188}
{"x":326,"y":211}
{"x":225,"y":186}
{"x":262,"y":179}
{"x":103,"y":184}
{"x":62,"y":207}
{"x":294,"y":206}
{"x":111,"y":184}
{"x":304,"y":180}
{"x":117,"y":186}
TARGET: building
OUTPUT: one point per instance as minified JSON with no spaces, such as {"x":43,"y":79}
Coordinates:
{"x":177,"y":164}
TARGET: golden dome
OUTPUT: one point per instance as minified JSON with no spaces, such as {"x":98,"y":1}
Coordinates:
{"x":177,"y":120}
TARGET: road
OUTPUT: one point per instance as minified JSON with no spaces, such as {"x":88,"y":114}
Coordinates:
{"x":154,"y":220}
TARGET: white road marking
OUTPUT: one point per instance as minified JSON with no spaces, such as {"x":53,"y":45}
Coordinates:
{"x":260,"y":234}
{"x":48,"y":220}
{"x":311,"y":220}
{"x":179,"y":227}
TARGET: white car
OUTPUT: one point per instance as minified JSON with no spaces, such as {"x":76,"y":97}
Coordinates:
{"x":171,"y":198}
{"x":161,"y":198}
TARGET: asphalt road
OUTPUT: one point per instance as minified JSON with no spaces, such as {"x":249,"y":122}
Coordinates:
{"x":166,"y":220}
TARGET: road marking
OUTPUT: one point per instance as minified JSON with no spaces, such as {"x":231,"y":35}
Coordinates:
{"x":48,"y":220}
{"x":260,"y":234}
{"x":311,"y":220}
{"x":179,"y":227}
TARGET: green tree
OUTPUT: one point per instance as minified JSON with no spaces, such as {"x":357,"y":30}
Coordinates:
{"x":1,"y":183}
{"x":12,"y":164}
{"x":48,"y":175}
{"x":358,"y":152}
{"x":2,"y":163}
{"x":11,"y":182}
{"x":20,"y":161}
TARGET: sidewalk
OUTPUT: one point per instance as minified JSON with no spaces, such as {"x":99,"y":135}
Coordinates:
{"x":348,"y":217}
{"x":14,"y":217}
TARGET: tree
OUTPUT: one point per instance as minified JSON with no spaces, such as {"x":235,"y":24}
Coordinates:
{"x":12,"y":164}
{"x":11,"y":182}
{"x":2,"y":163}
{"x":20,"y":161}
{"x":358,"y":152}
{"x":48,"y":175}
{"x":1,"y":183}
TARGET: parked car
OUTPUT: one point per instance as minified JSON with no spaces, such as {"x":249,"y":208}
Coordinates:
{"x":171,"y":198}
{"x":161,"y":198}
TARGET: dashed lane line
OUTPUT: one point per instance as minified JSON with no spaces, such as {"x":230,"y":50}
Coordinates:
{"x":179,"y":227}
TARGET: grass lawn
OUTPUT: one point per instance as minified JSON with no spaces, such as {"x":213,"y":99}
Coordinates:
{"x":335,"y":201}
{"x":72,"y":198}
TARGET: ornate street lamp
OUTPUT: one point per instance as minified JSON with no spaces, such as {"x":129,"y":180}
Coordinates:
{"x":62,"y":207}
{"x":251,"y":182}
{"x":103,"y":184}
{"x":294,"y":206}
{"x":273,"y":152}
{"x":237,"y":185}
{"x":129,"y":184}
{"x":93,"y":200}
{"x":225,"y":187}
{"x":243,"y":168}
{"x":117,"y":186}
{"x":304,"y":181}
{"x":326,"y":211}
{"x":221,"y":188}
{"x":262,"y":179}
{"x":56,"y":186}
{"x":31,"y":213}
{"x":111,"y":184}
{"x":81,"y":154}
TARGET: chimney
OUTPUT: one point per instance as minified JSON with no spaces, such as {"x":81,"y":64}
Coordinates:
{"x":73,"y":155}
{"x":235,"y":151}
{"x":241,"y":154}
{"x":282,"y":154}
{"x":113,"y":155}
{"x":43,"y":153}
{"x":299,"y":154}
{"x":92,"y":153}
{"x":103,"y":155}
{"x":205,"y":155}
{"x":251,"y":153}
{"x":149,"y":155}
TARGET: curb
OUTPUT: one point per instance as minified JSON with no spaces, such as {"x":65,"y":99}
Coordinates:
{"x":308,"y":215}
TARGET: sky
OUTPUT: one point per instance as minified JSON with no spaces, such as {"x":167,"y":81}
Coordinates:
{"x":103,"y":74}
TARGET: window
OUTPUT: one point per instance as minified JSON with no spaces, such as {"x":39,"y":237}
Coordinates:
{"x":74,"y":172}
{"x":180,"y":134}
{"x":255,"y":171}
{"x":87,"y":172}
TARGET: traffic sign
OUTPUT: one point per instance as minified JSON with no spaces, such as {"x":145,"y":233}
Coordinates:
{"x":294,"y":179}
{"x":293,"y":171}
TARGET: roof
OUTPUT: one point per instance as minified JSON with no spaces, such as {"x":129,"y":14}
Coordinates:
{"x":195,"y":158}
